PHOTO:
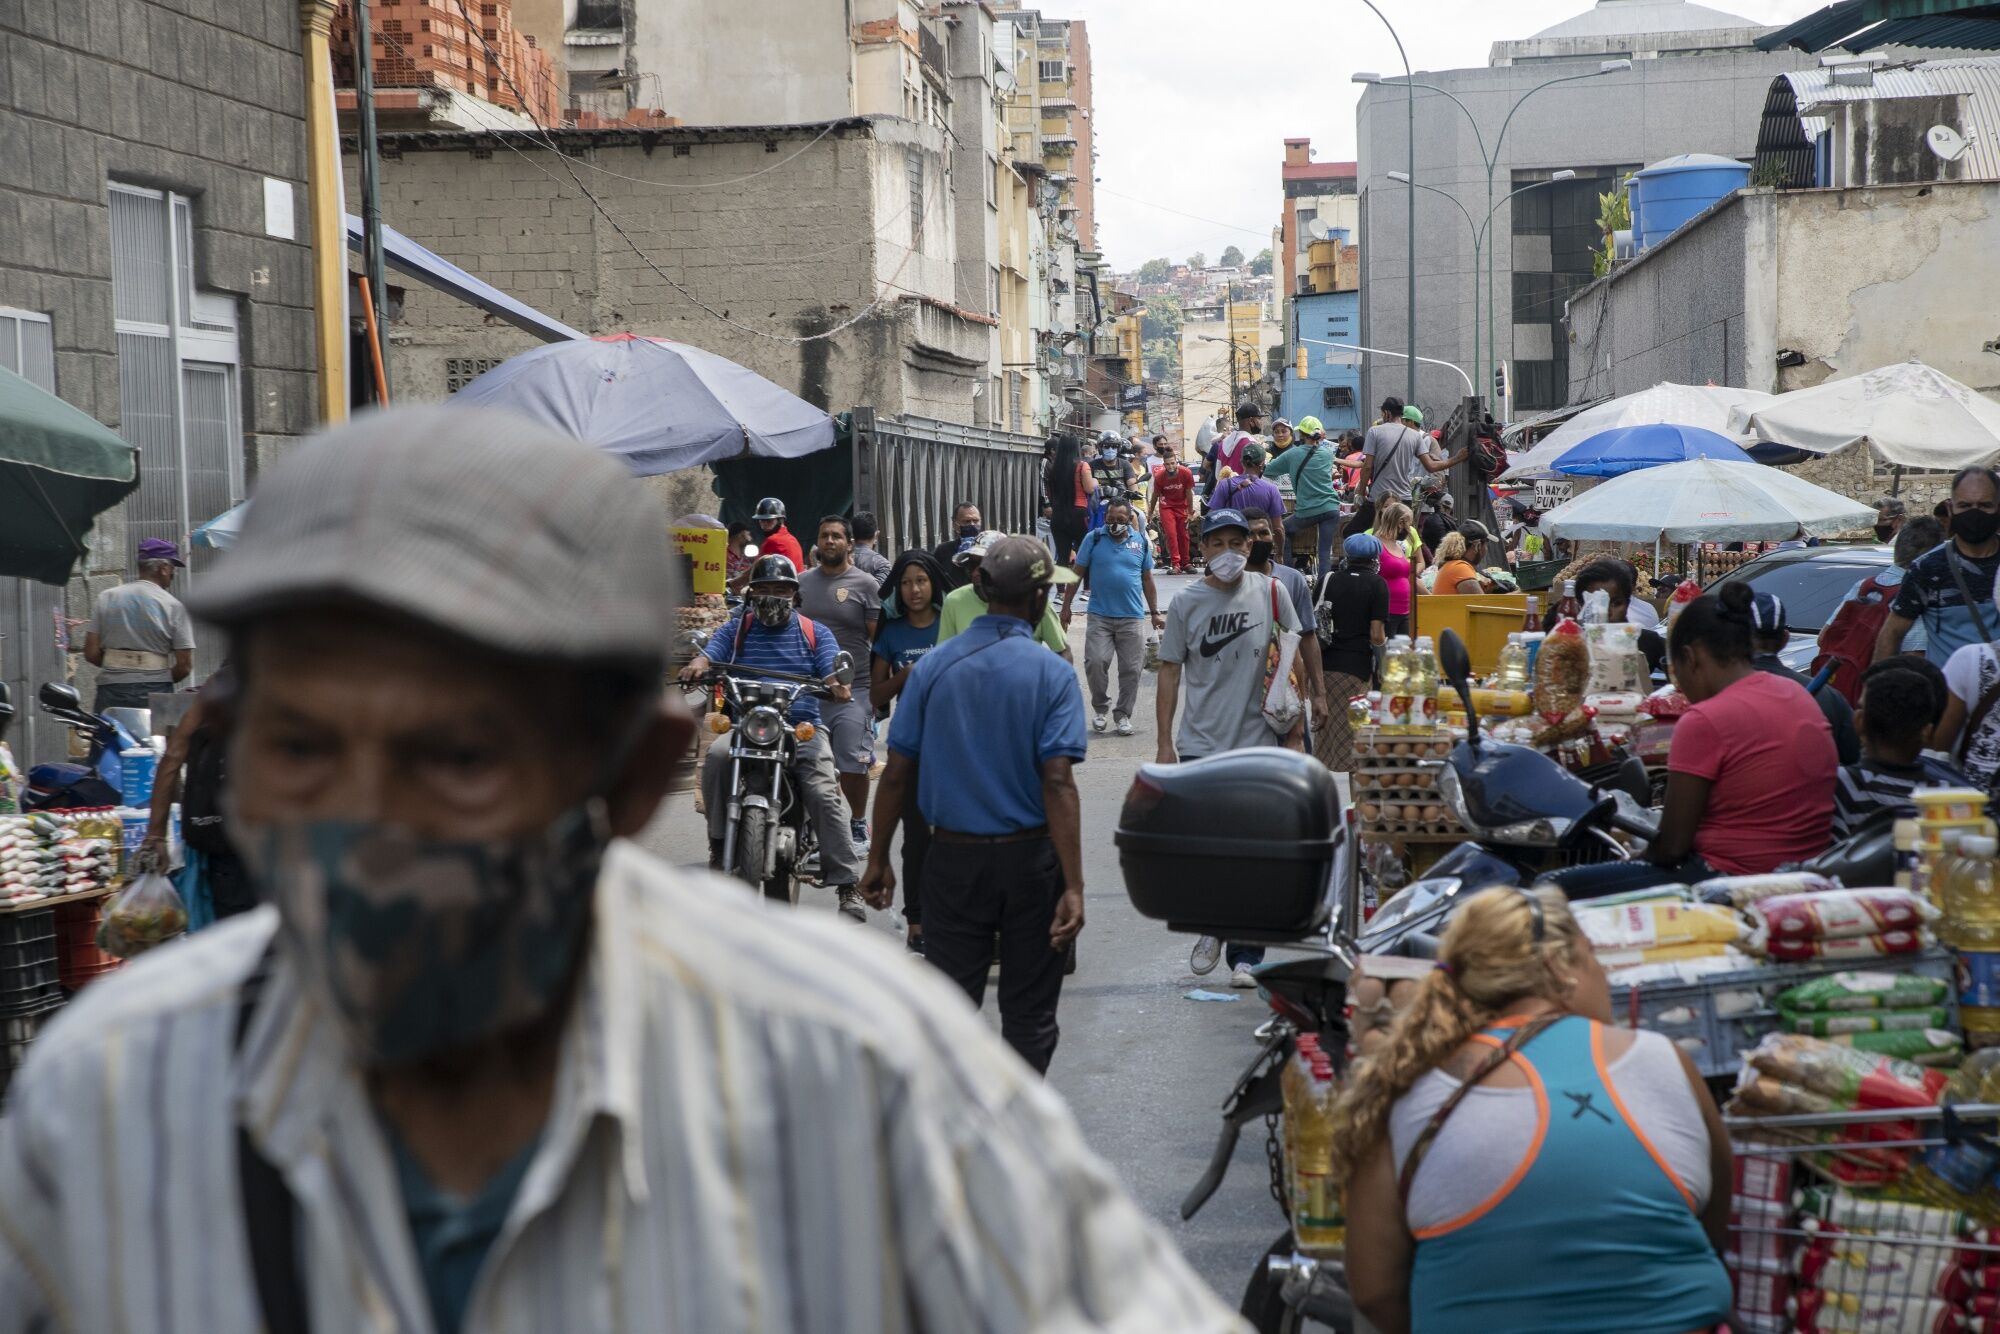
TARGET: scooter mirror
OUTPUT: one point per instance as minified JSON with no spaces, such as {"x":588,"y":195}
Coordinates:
{"x":1457,"y":663}
{"x":696,"y":642}
{"x":56,"y":695}
{"x":843,"y":669}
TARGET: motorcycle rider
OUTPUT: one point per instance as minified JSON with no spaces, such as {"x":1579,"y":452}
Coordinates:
{"x":773,"y":538}
{"x":771,"y":634}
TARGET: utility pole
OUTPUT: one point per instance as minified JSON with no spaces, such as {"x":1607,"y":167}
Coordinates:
{"x":371,"y":179}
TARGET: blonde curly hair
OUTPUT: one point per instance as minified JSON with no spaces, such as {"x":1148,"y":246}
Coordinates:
{"x":1489,"y":962}
{"x":1394,"y":521}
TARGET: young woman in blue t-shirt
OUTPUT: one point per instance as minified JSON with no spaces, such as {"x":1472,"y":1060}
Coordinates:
{"x":910,"y":598}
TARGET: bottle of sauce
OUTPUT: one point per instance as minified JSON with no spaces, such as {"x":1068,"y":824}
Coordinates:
{"x":1569,"y":607}
{"x":1532,"y":622}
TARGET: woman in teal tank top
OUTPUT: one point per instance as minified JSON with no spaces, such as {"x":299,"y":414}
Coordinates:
{"x":1515,"y":1164}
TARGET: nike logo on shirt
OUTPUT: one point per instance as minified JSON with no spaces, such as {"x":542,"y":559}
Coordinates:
{"x":1224,"y":630}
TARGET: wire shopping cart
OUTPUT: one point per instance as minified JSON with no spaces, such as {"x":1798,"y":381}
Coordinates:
{"x":1858,"y":1222}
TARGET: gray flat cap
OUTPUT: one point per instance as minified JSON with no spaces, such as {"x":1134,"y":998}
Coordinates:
{"x":488,"y":526}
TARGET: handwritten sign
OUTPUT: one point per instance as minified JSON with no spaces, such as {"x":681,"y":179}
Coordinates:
{"x":706,"y":548}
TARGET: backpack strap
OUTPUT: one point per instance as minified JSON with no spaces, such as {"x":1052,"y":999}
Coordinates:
{"x":743,"y":633}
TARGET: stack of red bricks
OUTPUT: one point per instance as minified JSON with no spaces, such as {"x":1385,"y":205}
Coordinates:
{"x":433,"y":44}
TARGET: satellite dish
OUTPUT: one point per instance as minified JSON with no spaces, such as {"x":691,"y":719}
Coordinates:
{"x":1316,"y":229}
{"x":1946,"y":142}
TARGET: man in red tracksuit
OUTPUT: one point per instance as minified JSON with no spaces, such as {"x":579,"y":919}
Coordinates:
{"x":1173,"y":494}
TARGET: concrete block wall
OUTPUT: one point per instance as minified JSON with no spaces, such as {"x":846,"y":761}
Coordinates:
{"x":202,"y":97}
{"x":786,"y":250}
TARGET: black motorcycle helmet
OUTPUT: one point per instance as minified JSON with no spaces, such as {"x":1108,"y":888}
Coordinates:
{"x":774,"y":570}
{"x":770,"y":507}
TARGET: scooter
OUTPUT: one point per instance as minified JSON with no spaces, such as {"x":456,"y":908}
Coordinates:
{"x":1270,"y":798}
{"x":768,"y":835}
{"x":98,"y":780}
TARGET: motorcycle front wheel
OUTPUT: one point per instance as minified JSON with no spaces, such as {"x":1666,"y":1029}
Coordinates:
{"x":753,"y":845}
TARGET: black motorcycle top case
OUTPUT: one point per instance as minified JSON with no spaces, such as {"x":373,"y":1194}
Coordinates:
{"x":1238,"y":845}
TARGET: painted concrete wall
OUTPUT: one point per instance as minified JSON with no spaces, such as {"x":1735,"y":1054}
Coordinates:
{"x":1334,"y":317}
{"x":775,"y":62}
{"x":788,"y":253}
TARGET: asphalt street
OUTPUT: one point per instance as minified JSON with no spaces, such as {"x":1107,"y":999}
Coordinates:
{"x":1144,"y":1068}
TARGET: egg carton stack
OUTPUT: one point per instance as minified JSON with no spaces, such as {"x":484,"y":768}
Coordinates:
{"x":1394,"y":786}
{"x":43,"y":856}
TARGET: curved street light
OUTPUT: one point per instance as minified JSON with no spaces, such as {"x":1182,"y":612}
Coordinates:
{"x":1491,"y":160}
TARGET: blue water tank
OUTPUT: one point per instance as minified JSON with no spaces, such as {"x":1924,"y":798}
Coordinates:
{"x":1671,"y":191}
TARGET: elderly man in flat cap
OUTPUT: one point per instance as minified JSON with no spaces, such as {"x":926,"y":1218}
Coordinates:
{"x":479,"y":1063}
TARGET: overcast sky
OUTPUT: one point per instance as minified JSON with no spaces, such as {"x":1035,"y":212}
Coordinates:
{"x":1195,"y":98}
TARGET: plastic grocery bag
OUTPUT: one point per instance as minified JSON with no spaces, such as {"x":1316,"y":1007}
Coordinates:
{"x":143,"y":914}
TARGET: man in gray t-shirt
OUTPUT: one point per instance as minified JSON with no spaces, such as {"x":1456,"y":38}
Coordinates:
{"x":139,"y":637}
{"x":1398,"y":454}
{"x":848,"y":603}
{"x":1217,"y":636}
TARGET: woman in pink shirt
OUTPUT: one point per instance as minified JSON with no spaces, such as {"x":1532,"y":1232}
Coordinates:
{"x":1396,"y":529}
{"x":1750,"y":776}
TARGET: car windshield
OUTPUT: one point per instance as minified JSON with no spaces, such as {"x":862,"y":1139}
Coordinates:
{"x":1810,"y":589}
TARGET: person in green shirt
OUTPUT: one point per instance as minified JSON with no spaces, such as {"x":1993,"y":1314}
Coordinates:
{"x":1310,"y":463}
{"x":963,"y":606}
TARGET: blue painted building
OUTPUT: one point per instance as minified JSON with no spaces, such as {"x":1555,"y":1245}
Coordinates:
{"x":1331,"y":389}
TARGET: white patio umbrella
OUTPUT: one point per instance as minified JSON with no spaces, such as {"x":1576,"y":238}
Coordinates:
{"x":1706,"y":406}
{"x":1705,"y":500}
{"x":1909,"y":414}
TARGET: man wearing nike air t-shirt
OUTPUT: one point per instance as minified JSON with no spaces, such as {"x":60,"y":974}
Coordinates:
{"x":1218,"y":633}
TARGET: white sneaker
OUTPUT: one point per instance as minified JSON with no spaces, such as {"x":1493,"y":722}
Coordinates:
{"x":1101,"y":721}
{"x":1204,"y":956}
{"x":1124,"y":727}
{"x":1243,"y":979}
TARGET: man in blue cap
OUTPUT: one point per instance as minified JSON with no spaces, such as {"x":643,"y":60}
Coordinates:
{"x":140,"y":638}
{"x":1218,"y":633}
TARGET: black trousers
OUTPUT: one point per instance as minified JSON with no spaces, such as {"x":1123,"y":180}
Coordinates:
{"x":916,"y":847}
{"x":973,"y":890}
{"x":1067,"y":524}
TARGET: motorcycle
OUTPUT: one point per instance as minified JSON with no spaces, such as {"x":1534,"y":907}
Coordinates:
{"x":1274,"y":795}
{"x":98,"y":780}
{"x":1533,"y":821}
{"x":768,"y":834}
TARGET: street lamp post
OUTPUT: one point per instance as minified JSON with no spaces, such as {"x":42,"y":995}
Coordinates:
{"x":1481,"y":234}
{"x":1491,"y":160}
{"x":1410,"y":387}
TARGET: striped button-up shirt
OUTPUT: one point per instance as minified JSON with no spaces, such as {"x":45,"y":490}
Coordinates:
{"x":764,"y":1120}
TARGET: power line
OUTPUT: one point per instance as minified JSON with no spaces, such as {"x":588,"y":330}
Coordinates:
{"x":1264,"y":232}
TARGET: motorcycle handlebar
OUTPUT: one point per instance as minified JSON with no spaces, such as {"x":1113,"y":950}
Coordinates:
{"x":717,"y":673}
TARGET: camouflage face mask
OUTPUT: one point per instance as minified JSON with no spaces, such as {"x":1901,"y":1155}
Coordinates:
{"x":421,"y":945}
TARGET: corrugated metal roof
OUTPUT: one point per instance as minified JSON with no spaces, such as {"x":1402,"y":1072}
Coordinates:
{"x":1860,"y":25}
{"x":1976,"y":78}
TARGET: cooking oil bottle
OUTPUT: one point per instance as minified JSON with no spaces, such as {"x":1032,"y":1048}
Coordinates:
{"x":1424,"y":686}
{"x":1316,"y":1217}
{"x":1961,"y":1176}
{"x":1971,"y":905}
{"x":1514,"y":663}
{"x":1396,"y":687}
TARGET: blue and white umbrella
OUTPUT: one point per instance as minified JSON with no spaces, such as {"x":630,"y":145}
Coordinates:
{"x":1624,"y":449}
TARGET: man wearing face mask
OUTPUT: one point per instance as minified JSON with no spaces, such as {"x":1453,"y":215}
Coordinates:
{"x":965,"y":529}
{"x":1115,"y":564}
{"x":1890,"y":516}
{"x":1219,"y":630}
{"x":478,"y":1057}
{"x":770,"y":633}
{"x":1949,"y":590}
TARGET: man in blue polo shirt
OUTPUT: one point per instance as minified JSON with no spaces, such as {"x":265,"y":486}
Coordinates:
{"x":1115,"y":564}
{"x":987,"y":731}
{"x":771,"y":634}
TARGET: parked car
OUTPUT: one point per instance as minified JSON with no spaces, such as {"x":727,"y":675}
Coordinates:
{"x":1811,"y":582}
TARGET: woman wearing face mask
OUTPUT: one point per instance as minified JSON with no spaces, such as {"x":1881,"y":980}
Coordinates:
{"x":1513,"y":1160}
{"x":1396,"y":529}
{"x":910,"y":596}
{"x":1115,"y":564}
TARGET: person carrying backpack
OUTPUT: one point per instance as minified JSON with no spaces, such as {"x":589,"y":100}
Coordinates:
{"x":1850,"y":637}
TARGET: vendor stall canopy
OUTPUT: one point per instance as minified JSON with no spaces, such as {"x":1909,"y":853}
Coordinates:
{"x":1909,"y":414}
{"x":1706,"y":500}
